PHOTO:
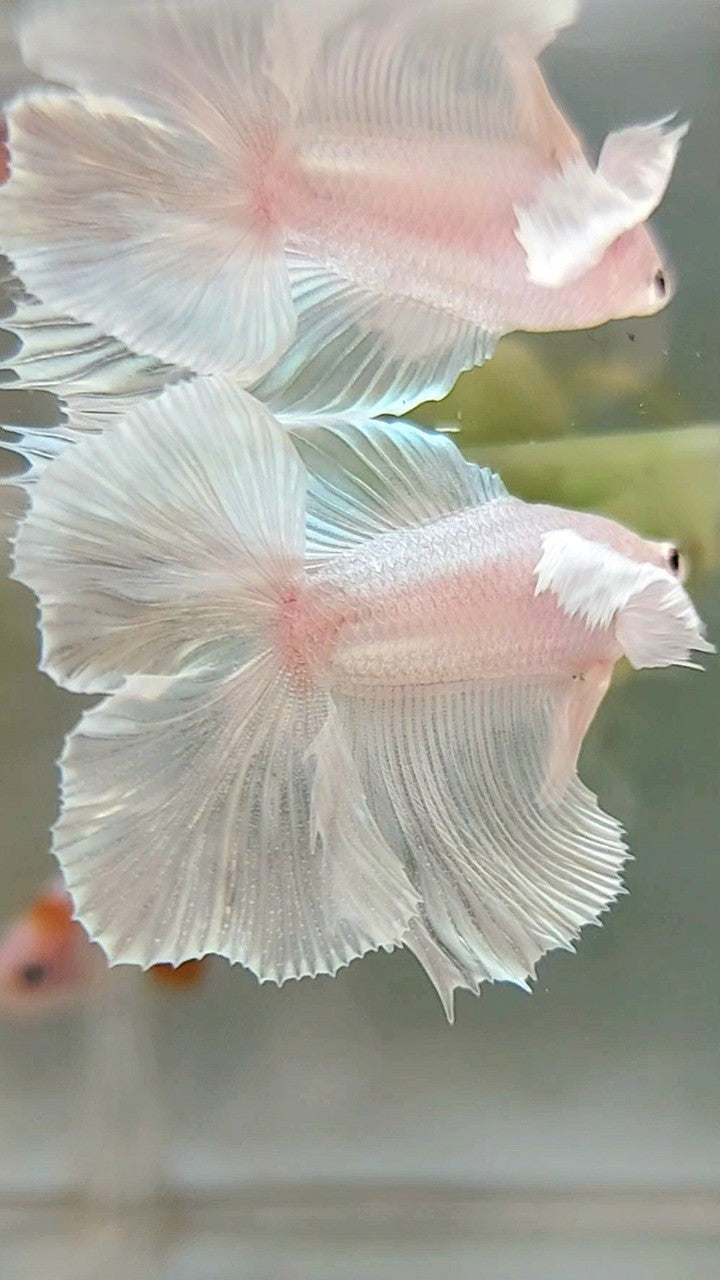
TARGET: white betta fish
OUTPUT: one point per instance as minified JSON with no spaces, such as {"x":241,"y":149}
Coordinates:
{"x":348,"y":679}
{"x":354,"y":198}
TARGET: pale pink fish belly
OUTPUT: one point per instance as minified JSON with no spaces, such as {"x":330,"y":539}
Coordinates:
{"x":452,"y":601}
{"x":433,"y":220}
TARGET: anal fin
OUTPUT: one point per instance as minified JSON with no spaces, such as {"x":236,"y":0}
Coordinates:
{"x":194,"y":822}
{"x":356,"y":351}
{"x":456,"y":780}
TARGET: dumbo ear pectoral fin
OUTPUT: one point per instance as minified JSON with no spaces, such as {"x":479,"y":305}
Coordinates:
{"x":652,"y":615}
{"x":638,"y":162}
{"x":580,"y":212}
{"x":566,"y":231}
{"x":658,"y":627}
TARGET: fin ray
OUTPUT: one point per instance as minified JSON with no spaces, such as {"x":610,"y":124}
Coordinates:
{"x":357,"y":351}
{"x":456,"y":780}
{"x":154,"y":568}
{"x":367,"y":478}
{"x":452,"y":67}
{"x":436,"y":57}
{"x":210,"y":75}
{"x":188,"y":827}
{"x":105,"y":218}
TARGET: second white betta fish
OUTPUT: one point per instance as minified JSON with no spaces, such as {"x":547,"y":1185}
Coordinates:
{"x":348,"y":679}
{"x":342,"y":203}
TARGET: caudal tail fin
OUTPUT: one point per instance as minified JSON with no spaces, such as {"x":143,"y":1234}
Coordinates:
{"x":96,"y":379}
{"x":210,"y":802}
{"x":142,"y":200}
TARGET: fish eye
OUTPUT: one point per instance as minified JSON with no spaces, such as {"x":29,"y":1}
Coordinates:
{"x":32,"y":975}
{"x":675,"y":561}
{"x":660,"y":284}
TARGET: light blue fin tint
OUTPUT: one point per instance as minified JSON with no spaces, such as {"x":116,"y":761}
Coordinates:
{"x":355,"y":351}
{"x":63,"y":355}
{"x":96,"y":379}
{"x":367,"y":479}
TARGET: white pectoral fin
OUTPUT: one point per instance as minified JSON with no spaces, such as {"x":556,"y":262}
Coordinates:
{"x":580,"y":212}
{"x":457,"y":781}
{"x":589,"y":580}
{"x":639,"y":161}
{"x":566,"y":231}
{"x":659,"y":627}
{"x":191,"y":825}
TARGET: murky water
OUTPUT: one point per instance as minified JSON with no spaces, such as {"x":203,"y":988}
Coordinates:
{"x":574,"y":1133}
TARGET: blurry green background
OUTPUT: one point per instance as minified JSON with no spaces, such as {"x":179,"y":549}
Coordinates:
{"x":608,"y":1076}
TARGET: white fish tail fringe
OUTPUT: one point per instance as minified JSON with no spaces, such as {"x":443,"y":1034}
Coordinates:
{"x":146,"y":207}
{"x":95,"y":379}
{"x":211,"y":803}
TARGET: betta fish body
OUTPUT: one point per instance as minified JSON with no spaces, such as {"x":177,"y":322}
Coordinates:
{"x":341,"y":205}
{"x":348,"y":678}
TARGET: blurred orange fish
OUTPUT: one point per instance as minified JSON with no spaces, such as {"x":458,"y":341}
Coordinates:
{"x":47,"y":961}
{"x":342,"y":204}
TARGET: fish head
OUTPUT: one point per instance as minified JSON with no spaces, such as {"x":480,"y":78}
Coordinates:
{"x":47,"y":961}
{"x":665,"y":555}
{"x":643,"y":551}
{"x":634,"y":277}
{"x":658,"y":625}
{"x":624,"y":586}
{"x":631,"y":279}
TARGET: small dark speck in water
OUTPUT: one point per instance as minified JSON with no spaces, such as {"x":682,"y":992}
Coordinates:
{"x":631,"y":337}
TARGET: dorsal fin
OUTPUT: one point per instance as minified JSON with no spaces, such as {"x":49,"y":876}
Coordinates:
{"x":369,"y":478}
